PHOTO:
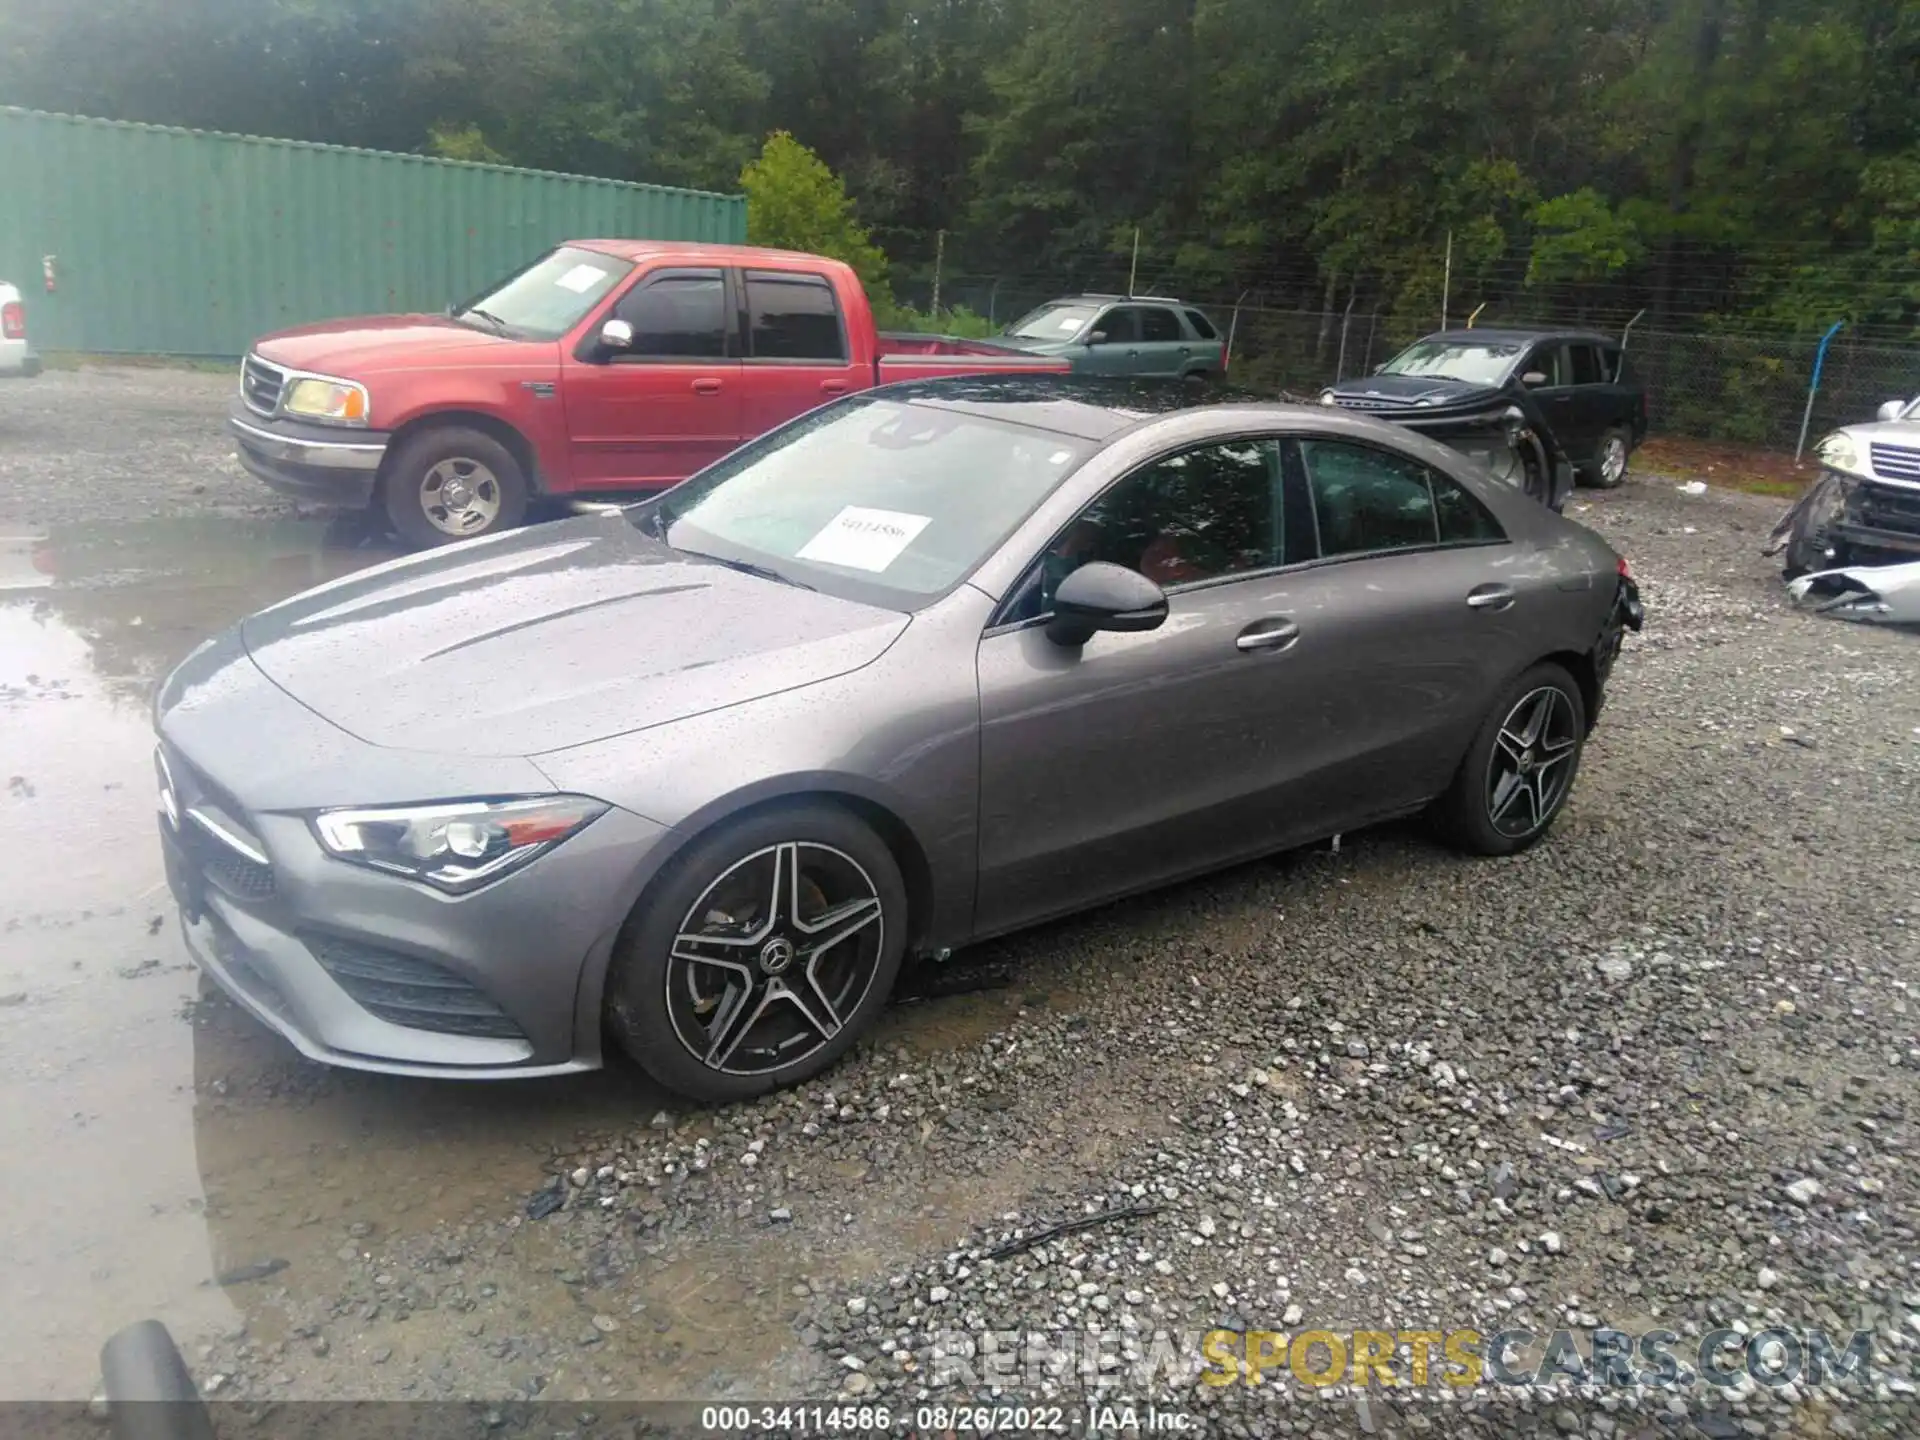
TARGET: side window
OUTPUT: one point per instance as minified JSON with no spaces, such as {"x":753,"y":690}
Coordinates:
{"x":793,"y":317}
{"x":1202,"y":326}
{"x":1550,"y":361}
{"x":680,"y":315}
{"x":1463,"y":519}
{"x":1160,"y":326}
{"x":1586,"y":365}
{"x":1200,"y":515}
{"x":1613,"y":365}
{"x":1366,"y":501}
{"x":1121,"y":324}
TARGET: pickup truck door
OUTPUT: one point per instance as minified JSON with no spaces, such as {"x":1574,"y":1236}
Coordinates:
{"x":651,"y":414}
{"x":798,"y":353}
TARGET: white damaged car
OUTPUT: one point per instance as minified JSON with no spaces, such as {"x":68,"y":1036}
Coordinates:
{"x":1852,"y":542}
{"x":17,"y":360}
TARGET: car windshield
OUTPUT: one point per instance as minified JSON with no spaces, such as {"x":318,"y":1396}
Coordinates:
{"x":884,"y":501}
{"x":549,"y":297}
{"x":1058,"y":321}
{"x":1483,"y":362}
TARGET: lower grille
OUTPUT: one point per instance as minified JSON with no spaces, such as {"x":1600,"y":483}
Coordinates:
{"x":1885,"y":508}
{"x":232,"y":872}
{"x":1896,"y":462}
{"x":407,"y":991}
{"x":261,"y":384}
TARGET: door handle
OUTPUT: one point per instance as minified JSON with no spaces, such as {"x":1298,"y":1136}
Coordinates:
{"x":1133,"y":354}
{"x":1490,"y":597}
{"x":1186,"y":349}
{"x":1563,"y":399}
{"x":706,"y":386}
{"x":833,"y":387}
{"x":1277,"y":634}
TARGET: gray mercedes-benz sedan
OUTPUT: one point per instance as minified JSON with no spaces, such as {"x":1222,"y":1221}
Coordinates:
{"x":926,"y":665}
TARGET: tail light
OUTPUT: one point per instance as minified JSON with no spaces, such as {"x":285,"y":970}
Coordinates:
{"x":1625,"y":570}
{"x":13,"y":320}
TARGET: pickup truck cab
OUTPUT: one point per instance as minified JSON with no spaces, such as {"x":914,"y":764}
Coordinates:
{"x":605,"y":367}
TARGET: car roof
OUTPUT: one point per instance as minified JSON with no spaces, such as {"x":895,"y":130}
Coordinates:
{"x":1094,"y":297}
{"x":1502,"y":336}
{"x":1083,"y":407}
{"x":696,"y":253}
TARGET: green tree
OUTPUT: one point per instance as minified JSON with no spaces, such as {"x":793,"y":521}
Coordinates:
{"x":794,"y":202}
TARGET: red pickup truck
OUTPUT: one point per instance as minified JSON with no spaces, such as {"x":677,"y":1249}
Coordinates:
{"x":606,"y":366}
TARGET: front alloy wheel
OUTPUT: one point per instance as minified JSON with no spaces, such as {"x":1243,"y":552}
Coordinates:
{"x":761,"y":954}
{"x":772,"y":958}
{"x":1532,"y":763}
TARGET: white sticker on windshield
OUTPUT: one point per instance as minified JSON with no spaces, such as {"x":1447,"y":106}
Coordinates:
{"x":1060,"y":457}
{"x":581,"y":278}
{"x":863,"y":539}
{"x":1071,"y":322}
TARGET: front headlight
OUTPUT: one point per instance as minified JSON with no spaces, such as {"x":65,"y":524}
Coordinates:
{"x":459,"y":846}
{"x":1838,"y":452}
{"x":1326,"y":398}
{"x":339,"y":402}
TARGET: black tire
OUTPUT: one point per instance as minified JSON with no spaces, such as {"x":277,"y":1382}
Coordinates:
{"x":1608,"y":472}
{"x":655,"y":998}
{"x":430,"y":461}
{"x":1465,"y":816}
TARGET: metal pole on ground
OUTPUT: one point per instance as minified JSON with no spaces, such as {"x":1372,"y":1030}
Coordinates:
{"x":1813,"y":387}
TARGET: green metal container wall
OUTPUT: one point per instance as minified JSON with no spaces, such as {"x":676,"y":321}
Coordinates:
{"x":182,"y":242}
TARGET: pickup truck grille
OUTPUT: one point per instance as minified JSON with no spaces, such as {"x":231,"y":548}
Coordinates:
{"x":1895,"y":462}
{"x":261,"y":384}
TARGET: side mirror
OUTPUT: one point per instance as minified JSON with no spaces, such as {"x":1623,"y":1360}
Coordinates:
{"x":1098,"y":337}
{"x":616,"y":335}
{"x":1533,"y":377}
{"x":1099,"y":596}
{"x":1891,"y":410}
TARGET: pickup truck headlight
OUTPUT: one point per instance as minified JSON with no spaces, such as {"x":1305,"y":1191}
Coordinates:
{"x":1838,"y":452}
{"x":339,"y":402}
{"x":459,"y":846}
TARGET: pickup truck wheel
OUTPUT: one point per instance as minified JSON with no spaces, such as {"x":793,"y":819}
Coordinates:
{"x":452,"y":483}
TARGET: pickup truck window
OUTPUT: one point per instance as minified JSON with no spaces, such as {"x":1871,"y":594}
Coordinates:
{"x":679,"y":315}
{"x":873,"y":500}
{"x":1586,"y":365}
{"x":793,"y":317}
{"x":549,"y":297}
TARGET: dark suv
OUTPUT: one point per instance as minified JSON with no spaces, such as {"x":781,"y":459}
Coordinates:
{"x":1575,"y":384}
{"x":1123,"y":335}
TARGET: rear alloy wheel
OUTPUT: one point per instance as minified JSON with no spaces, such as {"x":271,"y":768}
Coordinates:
{"x":1610,"y":469}
{"x":452,"y":483}
{"x":1520,"y":769}
{"x":769,"y":950}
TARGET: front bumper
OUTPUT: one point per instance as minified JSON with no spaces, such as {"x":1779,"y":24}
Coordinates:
{"x":353,"y":967}
{"x":309,"y":462}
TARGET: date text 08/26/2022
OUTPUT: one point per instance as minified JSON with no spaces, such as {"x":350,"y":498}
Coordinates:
{"x":943,"y":1420}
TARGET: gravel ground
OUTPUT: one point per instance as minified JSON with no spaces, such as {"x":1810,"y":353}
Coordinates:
{"x":1657,"y":1073}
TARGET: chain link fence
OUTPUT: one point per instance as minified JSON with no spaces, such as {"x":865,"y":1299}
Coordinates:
{"x":1701,"y":384}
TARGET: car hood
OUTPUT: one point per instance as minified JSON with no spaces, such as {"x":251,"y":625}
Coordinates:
{"x":550,"y":637}
{"x":1412,"y":389}
{"x":371,"y":344}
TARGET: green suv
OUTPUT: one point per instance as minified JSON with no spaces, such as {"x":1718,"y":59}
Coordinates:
{"x":1123,"y":335}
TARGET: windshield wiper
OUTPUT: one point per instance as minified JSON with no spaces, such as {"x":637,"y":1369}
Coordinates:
{"x":658,"y":515}
{"x":500,"y":326}
{"x":747,"y":567}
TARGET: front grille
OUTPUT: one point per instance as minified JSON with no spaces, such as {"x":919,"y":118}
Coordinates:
{"x":407,"y":991}
{"x":1883,"y":507}
{"x":213,"y":838}
{"x":1369,"y":402}
{"x":261,"y":384}
{"x":1895,"y":462}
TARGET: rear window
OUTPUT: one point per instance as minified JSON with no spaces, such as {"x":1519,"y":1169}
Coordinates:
{"x":793,"y":317}
{"x":1202,"y":326}
{"x":1159,"y":325}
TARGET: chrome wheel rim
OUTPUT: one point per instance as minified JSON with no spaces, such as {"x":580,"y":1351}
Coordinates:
{"x":774,"y":958}
{"x":460,"y":496}
{"x":1532,"y":762}
{"x":1613,"y":460}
